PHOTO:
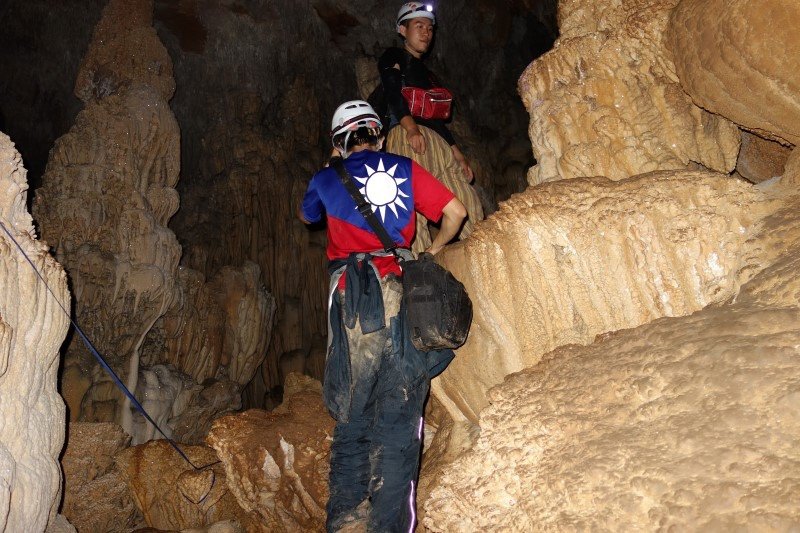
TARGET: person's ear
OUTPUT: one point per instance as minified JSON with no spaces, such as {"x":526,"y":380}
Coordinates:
{"x":403,"y":30}
{"x":380,"y":142}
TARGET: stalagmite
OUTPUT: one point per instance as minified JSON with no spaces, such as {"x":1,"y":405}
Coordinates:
{"x":106,"y":196}
{"x":32,"y":328}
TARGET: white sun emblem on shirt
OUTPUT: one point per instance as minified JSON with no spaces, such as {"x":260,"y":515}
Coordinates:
{"x":381,"y":189}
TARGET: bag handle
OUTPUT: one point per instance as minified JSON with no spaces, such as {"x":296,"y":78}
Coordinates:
{"x":363,"y":206}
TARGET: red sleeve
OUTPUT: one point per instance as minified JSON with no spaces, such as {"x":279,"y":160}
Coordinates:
{"x":430,"y":195}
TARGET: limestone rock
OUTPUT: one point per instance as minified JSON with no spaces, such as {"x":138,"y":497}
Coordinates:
{"x":96,"y":497}
{"x":606,"y":100}
{"x":277,"y":462}
{"x":32,"y":328}
{"x":761,"y":159}
{"x":192,"y":421}
{"x":566,"y":261}
{"x":741,"y":60}
{"x":106,"y":197}
{"x":60,"y":525}
{"x":683,"y":423}
{"x":171,"y":494}
{"x":125,"y":51}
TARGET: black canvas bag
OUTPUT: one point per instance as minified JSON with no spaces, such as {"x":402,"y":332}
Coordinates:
{"x":438,"y":308}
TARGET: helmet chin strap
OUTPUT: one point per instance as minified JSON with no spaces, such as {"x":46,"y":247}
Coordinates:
{"x":344,"y":151}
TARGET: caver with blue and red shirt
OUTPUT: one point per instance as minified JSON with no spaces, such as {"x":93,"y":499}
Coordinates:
{"x":376,"y":381}
{"x":395,"y":187}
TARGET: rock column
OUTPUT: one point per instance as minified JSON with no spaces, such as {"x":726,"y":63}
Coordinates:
{"x":32,"y":328}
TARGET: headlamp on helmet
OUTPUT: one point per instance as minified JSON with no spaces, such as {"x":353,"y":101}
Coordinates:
{"x":412,"y":10}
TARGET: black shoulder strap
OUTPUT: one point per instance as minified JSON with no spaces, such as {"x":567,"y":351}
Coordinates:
{"x":363,"y":206}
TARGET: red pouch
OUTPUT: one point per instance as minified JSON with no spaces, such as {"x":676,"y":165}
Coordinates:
{"x":432,"y":103}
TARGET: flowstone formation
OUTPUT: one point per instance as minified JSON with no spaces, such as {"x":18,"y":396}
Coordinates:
{"x":606,"y":101}
{"x":107,"y":196}
{"x":755,"y":78}
{"x":687,"y":423}
{"x":566,"y":261}
{"x":32,"y":328}
{"x":683,"y":416}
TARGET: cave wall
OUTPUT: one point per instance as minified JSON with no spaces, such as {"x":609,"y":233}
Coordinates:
{"x":254,"y":115}
{"x":256,"y":82}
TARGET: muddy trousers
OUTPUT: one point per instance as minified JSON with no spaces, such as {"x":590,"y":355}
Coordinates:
{"x":375,"y":454}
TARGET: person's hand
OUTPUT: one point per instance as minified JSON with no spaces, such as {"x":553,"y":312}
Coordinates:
{"x":413,"y":135}
{"x":463,"y":163}
{"x":417,"y":141}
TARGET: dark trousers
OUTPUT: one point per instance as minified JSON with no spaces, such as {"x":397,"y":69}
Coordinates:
{"x":375,"y":454}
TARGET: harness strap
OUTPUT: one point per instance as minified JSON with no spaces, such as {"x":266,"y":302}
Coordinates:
{"x":363,"y":206}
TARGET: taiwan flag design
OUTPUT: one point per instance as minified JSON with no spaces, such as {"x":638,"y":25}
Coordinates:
{"x":394,"y":186}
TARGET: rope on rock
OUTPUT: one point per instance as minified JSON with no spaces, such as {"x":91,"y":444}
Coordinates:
{"x":101,"y":360}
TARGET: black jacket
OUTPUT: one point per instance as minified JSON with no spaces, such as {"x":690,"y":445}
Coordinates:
{"x":412,"y":73}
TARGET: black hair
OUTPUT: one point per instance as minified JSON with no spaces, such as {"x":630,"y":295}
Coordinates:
{"x":362,"y":135}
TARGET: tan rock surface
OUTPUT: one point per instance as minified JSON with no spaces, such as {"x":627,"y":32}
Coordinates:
{"x":96,"y":496}
{"x":106,"y":197}
{"x":686,"y":423}
{"x":277,"y":462}
{"x":673,"y":424}
{"x":606,"y":100}
{"x":563,"y":262}
{"x":741,"y":60}
{"x":32,"y":328}
{"x":125,"y":51}
{"x":171,"y":494}
{"x":761,"y":159}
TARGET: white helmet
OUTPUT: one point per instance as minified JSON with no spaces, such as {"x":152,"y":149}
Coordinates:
{"x":350,"y":116}
{"x":353,"y":115}
{"x":412,"y":10}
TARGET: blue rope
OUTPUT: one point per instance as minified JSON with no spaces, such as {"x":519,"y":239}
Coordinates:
{"x":101,"y":360}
